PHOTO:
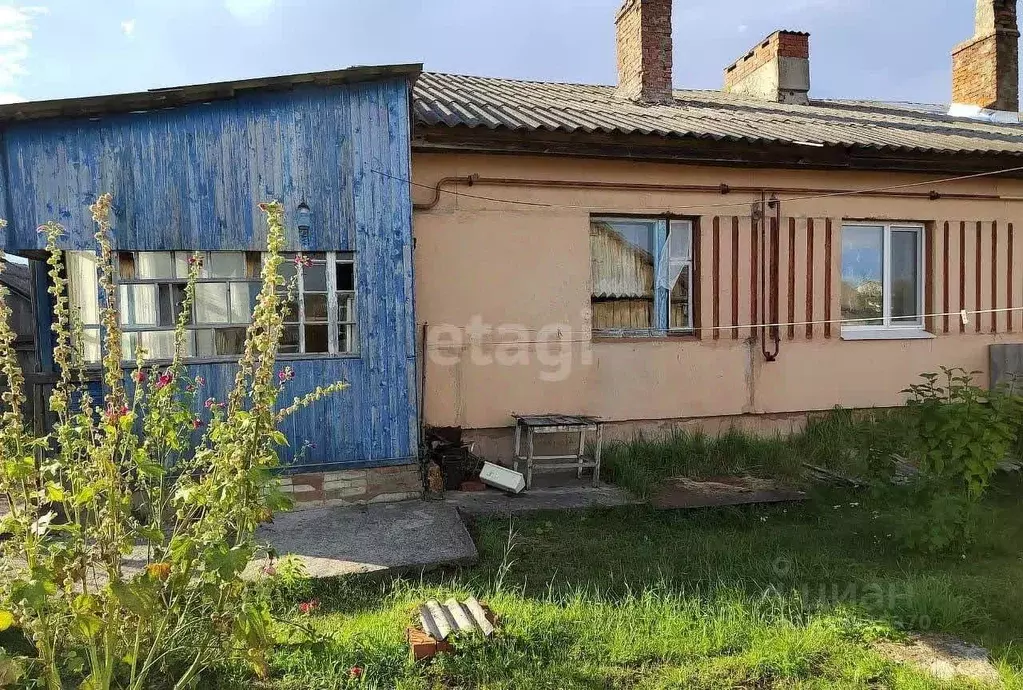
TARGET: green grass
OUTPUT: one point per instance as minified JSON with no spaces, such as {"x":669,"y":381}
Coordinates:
{"x":841,"y":440}
{"x":756,"y":597}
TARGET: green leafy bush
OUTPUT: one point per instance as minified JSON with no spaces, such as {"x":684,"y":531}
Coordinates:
{"x":131,"y":523}
{"x":964,"y":431}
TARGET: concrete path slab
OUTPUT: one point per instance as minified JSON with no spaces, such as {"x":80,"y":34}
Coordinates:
{"x":393,"y":537}
{"x":574,"y":497}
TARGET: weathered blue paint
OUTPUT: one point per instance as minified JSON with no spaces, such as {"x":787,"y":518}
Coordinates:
{"x":191,"y":178}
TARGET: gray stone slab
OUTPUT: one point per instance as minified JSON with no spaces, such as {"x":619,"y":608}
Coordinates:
{"x":392,"y":537}
{"x":581,"y":497}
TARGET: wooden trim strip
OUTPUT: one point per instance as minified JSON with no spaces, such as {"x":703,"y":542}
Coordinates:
{"x":809,"y":277}
{"x":929,"y":322}
{"x":827,"y":278}
{"x":754,"y":301}
{"x":1008,"y":292}
{"x":994,"y":275}
{"x":979,"y":281}
{"x":696,"y":266}
{"x":792,"y":279}
{"x":716,"y":277}
{"x":962,"y":271}
{"x":735,"y":276}
{"x":944,"y":280}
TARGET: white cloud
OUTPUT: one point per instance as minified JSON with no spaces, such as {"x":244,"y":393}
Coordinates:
{"x":250,"y":10}
{"x":743,"y":28}
{"x":16,"y":26}
{"x":128,"y":27}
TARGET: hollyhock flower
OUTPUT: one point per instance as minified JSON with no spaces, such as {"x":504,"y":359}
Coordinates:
{"x":113,"y":415}
{"x":303,"y":260}
{"x":211,"y":403}
{"x":286,"y":374}
{"x":355,"y":672}
{"x":307,"y":607}
{"x":164,"y":380}
{"x":200,"y":381}
{"x":158,"y":571}
{"x":138,"y":376}
{"x":196,"y":423}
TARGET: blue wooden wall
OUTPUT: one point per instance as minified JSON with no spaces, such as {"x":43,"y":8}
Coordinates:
{"x":191,"y":178}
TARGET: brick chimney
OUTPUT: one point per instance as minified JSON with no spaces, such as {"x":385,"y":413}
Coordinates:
{"x":644,"y":51}
{"x":777,"y":69}
{"x":985,"y":69}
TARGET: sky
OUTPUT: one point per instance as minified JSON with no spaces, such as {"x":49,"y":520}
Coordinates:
{"x":880,"y":49}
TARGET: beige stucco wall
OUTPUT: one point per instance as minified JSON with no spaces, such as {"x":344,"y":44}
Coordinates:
{"x":485,"y":262}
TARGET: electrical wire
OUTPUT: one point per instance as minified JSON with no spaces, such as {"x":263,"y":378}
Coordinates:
{"x":733,"y":204}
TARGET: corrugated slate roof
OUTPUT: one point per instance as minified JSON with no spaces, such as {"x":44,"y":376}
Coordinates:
{"x":458,"y":100}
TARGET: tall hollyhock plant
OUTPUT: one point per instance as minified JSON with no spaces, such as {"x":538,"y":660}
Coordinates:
{"x":131,"y":523}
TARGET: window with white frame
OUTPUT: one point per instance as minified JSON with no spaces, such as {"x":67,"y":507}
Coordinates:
{"x":641,"y":271}
{"x":151,"y":290}
{"x":882,"y":276}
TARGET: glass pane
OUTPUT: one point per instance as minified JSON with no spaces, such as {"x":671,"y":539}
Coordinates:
{"x":678,"y":313}
{"x":178,"y":301}
{"x":680,"y":240}
{"x":181,"y":263}
{"x":156,"y":345}
{"x":204,"y":343}
{"x":622,"y":274}
{"x":229,"y":341}
{"x":211,"y":303}
{"x":289,"y":341}
{"x":90,"y":344}
{"x":315,"y":307}
{"x":314,"y":278}
{"x":290,"y":311}
{"x":316,"y":338}
{"x":345,"y":308}
{"x":905,"y":276}
{"x":287,"y":269}
{"x":126,"y":265}
{"x":150,"y":265}
{"x":862,"y":274}
{"x":346,"y":336}
{"x":243,"y":301}
{"x":345,"y":276}
{"x":159,"y":344}
{"x":137,"y":305}
{"x":226,"y":265}
{"x":84,"y":285}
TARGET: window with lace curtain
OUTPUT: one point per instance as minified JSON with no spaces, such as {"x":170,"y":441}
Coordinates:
{"x":641,"y":273}
{"x":151,"y":289}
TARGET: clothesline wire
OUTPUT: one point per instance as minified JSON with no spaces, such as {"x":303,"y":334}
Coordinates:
{"x":732,"y":204}
{"x":962,"y":314}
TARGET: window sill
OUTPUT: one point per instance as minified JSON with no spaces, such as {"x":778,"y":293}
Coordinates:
{"x":886,"y":334}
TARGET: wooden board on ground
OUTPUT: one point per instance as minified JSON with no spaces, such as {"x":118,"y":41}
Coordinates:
{"x":681,"y":492}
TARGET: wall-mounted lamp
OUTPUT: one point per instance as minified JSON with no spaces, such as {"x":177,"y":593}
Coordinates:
{"x":305,"y":220}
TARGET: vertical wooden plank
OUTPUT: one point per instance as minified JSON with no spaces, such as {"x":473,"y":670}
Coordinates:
{"x":790,"y":271}
{"x":829,"y":278}
{"x":754,"y":270}
{"x":978,"y":253}
{"x":995,"y":273}
{"x":1010,"y":288}
{"x":716,"y":268}
{"x":809,"y":277}
{"x":963,"y":254}
{"x":944,"y":277}
{"x":928,"y":276}
{"x":699,"y":294}
{"x":735,"y":276}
